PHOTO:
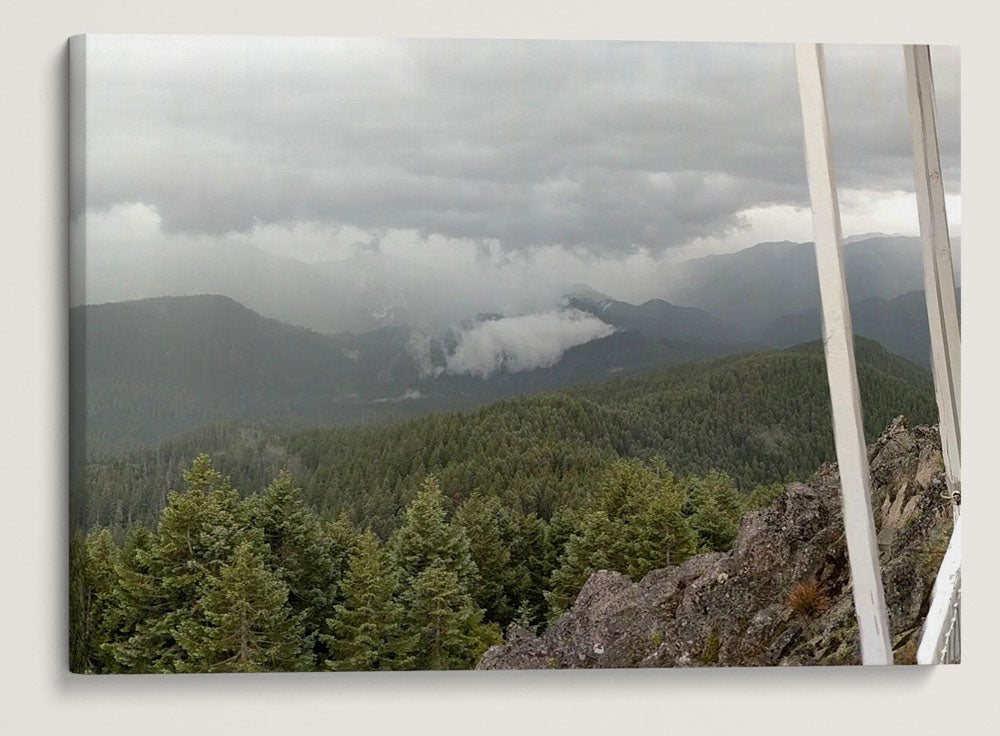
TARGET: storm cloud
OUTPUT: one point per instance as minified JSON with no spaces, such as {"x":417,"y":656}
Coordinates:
{"x":601,"y":149}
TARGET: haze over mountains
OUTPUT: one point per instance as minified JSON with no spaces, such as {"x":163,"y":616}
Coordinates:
{"x":746,"y":289}
{"x":157,"y":366}
{"x":752,"y":287}
{"x":274,"y":338}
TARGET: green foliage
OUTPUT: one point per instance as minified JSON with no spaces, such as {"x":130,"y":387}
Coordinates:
{"x":763,"y":496}
{"x":366,"y":627}
{"x":92,"y":580}
{"x":198,"y":533}
{"x":717,"y":508}
{"x":426,"y":537}
{"x":443,"y":627}
{"x":263,"y":584}
{"x":760,"y":417}
{"x":635,"y":523}
{"x":488,"y":517}
{"x":487,"y":527}
{"x":532,"y":559}
{"x":246,"y":623}
{"x":301,"y":550}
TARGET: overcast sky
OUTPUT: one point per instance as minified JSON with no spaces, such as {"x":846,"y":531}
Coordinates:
{"x":602,"y":161}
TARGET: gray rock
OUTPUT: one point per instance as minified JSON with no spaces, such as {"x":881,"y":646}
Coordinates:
{"x":731,"y":609}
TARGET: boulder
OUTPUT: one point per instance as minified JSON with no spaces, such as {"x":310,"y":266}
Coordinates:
{"x":734,"y":608}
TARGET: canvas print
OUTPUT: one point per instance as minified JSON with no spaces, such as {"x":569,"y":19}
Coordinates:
{"x":494,"y":354}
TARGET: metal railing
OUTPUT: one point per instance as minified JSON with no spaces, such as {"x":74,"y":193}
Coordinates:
{"x":941,"y":640}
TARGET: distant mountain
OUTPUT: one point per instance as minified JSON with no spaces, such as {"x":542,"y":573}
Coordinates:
{"x":868,"y":236}
{"x":751,"y":288}
{"x":659,"y":320}
{"x":900,"y":324}
{"x":155,"y":367}
{"x":358,"y":294}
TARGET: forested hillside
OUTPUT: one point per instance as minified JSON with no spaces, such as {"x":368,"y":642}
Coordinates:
{"x":221,"y":584}
{"x":761,"y":417}
{"x":413,"y":544}
{"x":156,"y":367}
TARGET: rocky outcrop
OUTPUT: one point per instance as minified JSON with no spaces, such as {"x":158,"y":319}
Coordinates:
{"x":733,"y":609}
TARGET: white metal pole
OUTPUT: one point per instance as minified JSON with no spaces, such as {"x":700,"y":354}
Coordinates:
{"x":838,"y":338}
{"x":939,"y":275}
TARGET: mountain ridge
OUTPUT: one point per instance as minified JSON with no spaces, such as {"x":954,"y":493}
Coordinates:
{"x":157,"y":366}
{"x":752,"y":287}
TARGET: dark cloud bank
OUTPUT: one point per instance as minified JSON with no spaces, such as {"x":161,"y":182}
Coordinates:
{"x":599,"y":147}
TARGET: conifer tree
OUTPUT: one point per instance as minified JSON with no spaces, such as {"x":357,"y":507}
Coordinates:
{"x":93,"y":560}
{"x":762,"y":496}
{"x":198,"y":533}
{"x":443,"y":626}
{"x":532,"y":561}
{"x":101,"y":573}
{"x":718,"y":507}
{"x":133,"y":590}
{"x":247,"y":625}
{"x":426,"y":537}
{"x":367,"y":627}
{"x":79,"y":638}
{"x":593,"y":547}
{"x":636,"y":525}
{"x":655,"y":533}
{"x":483,"y":520}
{"x":302,"y":551}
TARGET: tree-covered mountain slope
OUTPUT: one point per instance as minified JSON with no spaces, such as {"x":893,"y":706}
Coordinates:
{"x":760,"y":417}
{"x":156,"y":367}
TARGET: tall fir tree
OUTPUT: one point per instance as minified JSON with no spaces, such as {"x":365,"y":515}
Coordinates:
{"x":532,"y":560}
{"x":484,"y":521}
{"x":367,"y":627}
{"x":79,"y":637}
{"x":134,"y":588}
{"x":301,"y":552}
{"x":198,"y":533}
{"x":443,"y":626}
{"x":636,"y":524}
{"x":655,"y":533}
{"x":591,"y":548}
{"x":426,"y":537}
{"x":246,"y":624}
{"x":93,"y":560}
{"x":717,"y":508}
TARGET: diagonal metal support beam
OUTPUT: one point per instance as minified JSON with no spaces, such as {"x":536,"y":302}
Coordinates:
{"x":939,"y":274}
{"x":838,"y":339}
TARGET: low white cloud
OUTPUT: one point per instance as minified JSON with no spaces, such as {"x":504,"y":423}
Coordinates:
{"x":524,"y":343}
{"x":411,"y":394}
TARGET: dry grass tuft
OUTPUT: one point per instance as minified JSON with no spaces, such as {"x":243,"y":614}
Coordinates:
{"x":807,"y":599}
